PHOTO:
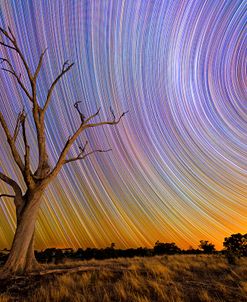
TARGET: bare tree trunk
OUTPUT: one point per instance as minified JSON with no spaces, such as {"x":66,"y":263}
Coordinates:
{"x":21,"y":258}
{"x":31,"y":263}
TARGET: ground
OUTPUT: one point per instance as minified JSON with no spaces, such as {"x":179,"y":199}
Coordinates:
{"x":165,"y":278}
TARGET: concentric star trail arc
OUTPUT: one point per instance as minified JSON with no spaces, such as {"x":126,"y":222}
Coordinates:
{"x":177,"y":171}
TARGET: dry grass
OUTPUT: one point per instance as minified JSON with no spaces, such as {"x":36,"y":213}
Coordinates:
{"x":169,"y":278}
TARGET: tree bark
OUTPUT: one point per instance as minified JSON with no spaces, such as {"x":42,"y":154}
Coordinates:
{"x":21,"y":259}
{"x":31,"y":263}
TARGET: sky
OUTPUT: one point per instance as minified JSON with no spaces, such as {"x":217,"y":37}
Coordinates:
{"x":177,"y":171}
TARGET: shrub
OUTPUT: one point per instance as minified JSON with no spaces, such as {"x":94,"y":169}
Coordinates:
{"x":166,"y":248}
{"x":235,"y":247}
{"x":207,"y":247}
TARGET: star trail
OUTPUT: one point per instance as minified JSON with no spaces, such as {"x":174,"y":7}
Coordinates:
{"x":177,"y":171}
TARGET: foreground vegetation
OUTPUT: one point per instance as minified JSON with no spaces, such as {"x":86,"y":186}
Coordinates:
{"x":159,"y":278}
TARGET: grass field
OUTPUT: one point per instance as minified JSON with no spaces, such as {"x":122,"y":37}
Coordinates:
{"x":164,"y":278}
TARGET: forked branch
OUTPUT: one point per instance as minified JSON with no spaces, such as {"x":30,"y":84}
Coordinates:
{"x":11,"y":70}
{"x":92,"y":116}
{"x":39,"y":64}
{"x":14,"y":46}
{"x":9,"y":41}
{"x":83,"y":155}
{"x":113,"y":122}
{"x":62,"y":158}
{"x":66,"y":67}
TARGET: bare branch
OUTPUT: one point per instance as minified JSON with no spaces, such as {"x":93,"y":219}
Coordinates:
{"x":8,"y":46}
{"x":3,"y":31}
{"x":8,"y":70}
{"x":11,"y":143}
{"x":10,"y":36}
{"x":24,"y":131}
{"x":83,"y":148}
{"x":37,"y":112}
{"x":18,"y":77}
{"x":11,"y":183}
{"x":24,"y":167}
{"x":70,"y":141}
{"x":7,"y":195}
{"x":66,"y":67}
{"x":79,"y":157}
{"x":92,"y":116}
{"x":32,"y":79}
{"x":113,"y":114}
{"x":32,"y":97}
{"x":63,"y":153}
{"x":39,"y":64}
{"x":17,"y":126}
{"x":82,"y":116}
{"x":114,"y":122}
{"x":27,"y":171}
{"x":2,"y":60}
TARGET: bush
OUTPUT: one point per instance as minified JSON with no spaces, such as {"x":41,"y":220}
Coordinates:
{"x":207,"y":247}
{"x":235,"y":247}
{"x":166,"y":248}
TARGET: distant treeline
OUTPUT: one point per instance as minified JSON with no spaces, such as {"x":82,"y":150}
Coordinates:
{"x":235,"y":242}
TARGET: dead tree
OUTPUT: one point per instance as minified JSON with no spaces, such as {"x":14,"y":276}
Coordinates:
{"x":27,"y":200}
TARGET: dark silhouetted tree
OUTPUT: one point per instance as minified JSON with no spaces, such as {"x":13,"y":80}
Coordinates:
{"x":207,"y":247}
{"x":27,"y":200}
{"x":166,"y":248}
{"x":235,"y":247}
